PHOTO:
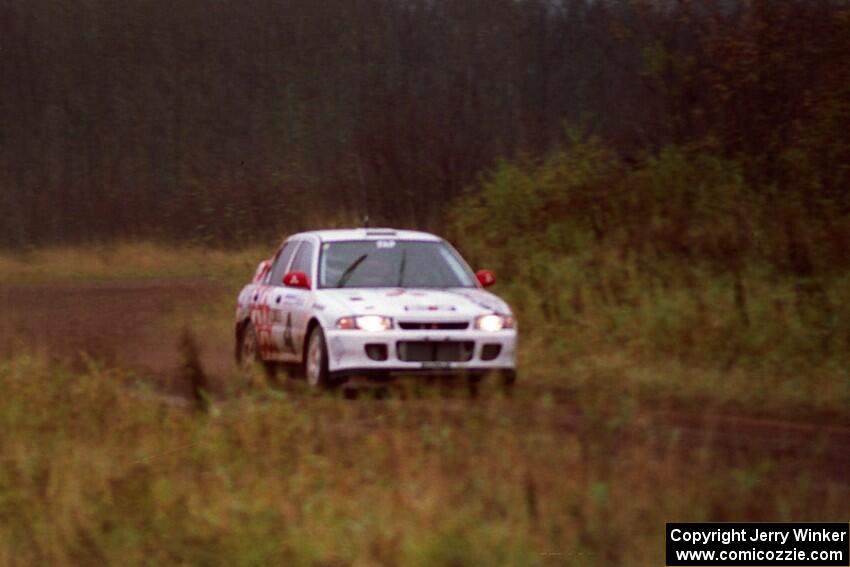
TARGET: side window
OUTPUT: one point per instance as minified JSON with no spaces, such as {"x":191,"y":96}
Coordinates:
{"x":304,"y":259}
{"x":282,"y":261}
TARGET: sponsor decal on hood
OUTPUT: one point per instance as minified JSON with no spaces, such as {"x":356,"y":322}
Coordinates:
{"x":400,"y":302}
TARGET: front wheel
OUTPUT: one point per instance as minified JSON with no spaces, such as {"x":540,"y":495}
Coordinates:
{"x":316,"y":360}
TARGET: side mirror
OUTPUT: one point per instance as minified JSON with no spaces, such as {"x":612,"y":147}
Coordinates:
{"x":485,"y":277}
{"x":262,"y":269}
{"x":296,"y":279}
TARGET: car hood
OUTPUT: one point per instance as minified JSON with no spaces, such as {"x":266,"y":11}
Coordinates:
{"x":416,"y":303}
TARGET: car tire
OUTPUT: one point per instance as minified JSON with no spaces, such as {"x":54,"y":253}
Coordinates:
{"x":248,"y":354}
{"x":316,"y":360}
{"x":507,"y":380}
{"x":473,"y":383}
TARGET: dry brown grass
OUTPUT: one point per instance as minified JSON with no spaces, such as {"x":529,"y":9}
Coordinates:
{"x":96,"y":473}
{"x":127,"y":260}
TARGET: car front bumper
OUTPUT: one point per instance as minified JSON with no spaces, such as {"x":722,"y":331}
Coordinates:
{"x":347,"y":351}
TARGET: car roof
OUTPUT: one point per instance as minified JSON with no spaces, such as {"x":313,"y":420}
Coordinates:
{"x":336,"y":235}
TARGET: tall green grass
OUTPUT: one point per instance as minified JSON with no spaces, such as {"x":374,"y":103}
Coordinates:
{"x":672,"y":270}
{"x":95,"y":472}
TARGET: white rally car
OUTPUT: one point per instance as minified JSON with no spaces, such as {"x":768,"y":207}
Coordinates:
{"x":373,"y":303}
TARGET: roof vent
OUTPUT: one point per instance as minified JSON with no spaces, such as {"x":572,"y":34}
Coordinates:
{"x":380,"y":232}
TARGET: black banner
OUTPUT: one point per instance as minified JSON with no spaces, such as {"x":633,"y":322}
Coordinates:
{"x":757,"y":544}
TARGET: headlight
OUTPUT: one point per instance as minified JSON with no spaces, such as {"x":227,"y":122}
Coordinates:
{"x":492,"y":323}
{"x":371,"y":323}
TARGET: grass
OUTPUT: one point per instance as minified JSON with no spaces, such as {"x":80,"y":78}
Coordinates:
{"x":819,"y":393}
{"x":128,"y":260}
{"x":686,"y":344}
{"x":93,"y":473}
{"x":670,"y":278}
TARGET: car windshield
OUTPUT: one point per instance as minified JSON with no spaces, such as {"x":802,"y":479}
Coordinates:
{"x":392,"y":263}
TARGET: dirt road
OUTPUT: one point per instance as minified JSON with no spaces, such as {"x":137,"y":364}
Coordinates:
{"x":133,"y":324}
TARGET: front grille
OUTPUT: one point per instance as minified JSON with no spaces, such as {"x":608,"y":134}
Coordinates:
{"x":435,"y":351}
{"x":426,"y":325}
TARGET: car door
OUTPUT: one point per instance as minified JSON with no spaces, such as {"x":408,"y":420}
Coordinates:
{"x":298,"y":301}
{"x":276,"y":304}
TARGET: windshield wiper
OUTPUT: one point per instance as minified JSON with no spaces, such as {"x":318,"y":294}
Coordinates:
{"x":402,"y":266}
{"x":350,"y":270}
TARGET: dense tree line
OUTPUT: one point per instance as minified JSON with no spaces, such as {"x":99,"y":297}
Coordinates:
{"x":225,"y":120}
